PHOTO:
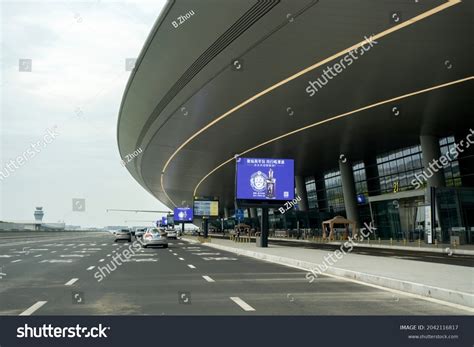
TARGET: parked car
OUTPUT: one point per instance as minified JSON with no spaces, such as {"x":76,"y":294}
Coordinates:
{"x":140,"y":232}
{"x":123,"y":234}
{"x":155,"y":237}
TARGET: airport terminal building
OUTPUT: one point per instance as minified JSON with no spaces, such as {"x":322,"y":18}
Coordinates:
{"x":374,"y":107}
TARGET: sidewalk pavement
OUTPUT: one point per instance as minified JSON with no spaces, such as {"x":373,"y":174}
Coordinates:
{"x":448,"y":283}
{"x":409,"y":246}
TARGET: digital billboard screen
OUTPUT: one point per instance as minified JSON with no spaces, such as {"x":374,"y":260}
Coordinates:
{"x":183,"y":214}
{"x":164,"y":220}
{"x":265,"y":179}
{"x":206,"y":206}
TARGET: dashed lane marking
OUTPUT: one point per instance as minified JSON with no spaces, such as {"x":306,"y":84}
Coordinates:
{"x":33,"y":308}
{"x":241,"y":303}
{"x":207,"y":278}
{"x":71,"y":282}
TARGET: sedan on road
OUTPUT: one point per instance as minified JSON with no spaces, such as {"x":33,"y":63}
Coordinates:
{"x":155,"y":237}
{"x":123,"y":234}
{"x":172,"y":234}
{"x":139,"y":233}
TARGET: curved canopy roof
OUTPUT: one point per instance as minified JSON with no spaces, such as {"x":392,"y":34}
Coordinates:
{"x":233,"y":77}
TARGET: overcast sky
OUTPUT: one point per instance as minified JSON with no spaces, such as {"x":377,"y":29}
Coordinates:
{"x":73,"y":92}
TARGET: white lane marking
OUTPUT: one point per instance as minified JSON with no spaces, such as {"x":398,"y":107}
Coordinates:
{"x":191,"y":266}
{"x":104,"y":244}
{"x":59,"y":244}
{"x":70,"y":245}
{"x":33,"y":308}
{"x":71,"y":282}
{"x":218,"y":258}
{"x":207,"y":278}
{"x":144,"y":255}
{"x":100,"y":261}
{"x":175,"y":253}
{"x":39,"y":255}
{"x":108,"y":255}
{"x":241,"y":303}
{"x":180,"y":243}
{"x":90,"y":268}
{"x":71,"y":255}
{"x":16,"y":261}
{"x":181,"y":258}
{"x":92,"y":244}
{"x":5,"y":256}
{"x":56,"y":261}
{"x":170,"y":250}
{"x":206,"y":253}
{"x":82,"y":244}
{"x":38,"y":249}
{"x":141,"y":260}
{"x":92,"y":249}
{"x":53,"y":251}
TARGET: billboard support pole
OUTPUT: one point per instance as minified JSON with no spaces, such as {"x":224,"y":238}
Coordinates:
{"x":182,"y":228}
{"x":263,"y":240}
{"x":206,"y":227}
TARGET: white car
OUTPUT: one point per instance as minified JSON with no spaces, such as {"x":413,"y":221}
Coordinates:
{"x":172,"y":234}
{"x":155,"y":237}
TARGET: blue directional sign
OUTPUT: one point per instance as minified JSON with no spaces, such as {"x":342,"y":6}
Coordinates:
{"x":239,"y":214}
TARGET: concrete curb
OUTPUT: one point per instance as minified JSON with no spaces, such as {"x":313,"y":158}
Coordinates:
{"x":444,"y":249}
{"x":447,"y":295}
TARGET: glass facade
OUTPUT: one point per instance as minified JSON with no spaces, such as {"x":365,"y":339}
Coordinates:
{"x":398,"y":168}
{"x":334,"y":195}
{"x":396,"y":216}
{"x":310,"y":184}
{"x":452,"y":173}
{"x":360,"y":178}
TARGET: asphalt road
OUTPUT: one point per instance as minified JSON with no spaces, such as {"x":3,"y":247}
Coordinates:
{"x":59,"y":275}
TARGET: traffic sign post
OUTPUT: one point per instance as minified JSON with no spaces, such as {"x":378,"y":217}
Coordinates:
{"x":206,"y":227}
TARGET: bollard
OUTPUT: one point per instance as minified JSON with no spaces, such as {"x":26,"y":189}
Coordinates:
{"x":391,"y":242}
{"x":379,"y":240}
{"x":436,"y":243}
{"x":455,"y":243}
{"x":419,"y":242}
{"x":404,"y":242}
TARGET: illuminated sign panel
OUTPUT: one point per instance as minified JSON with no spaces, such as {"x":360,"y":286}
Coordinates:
{"x":265,"y":179}
{"x":183,"y":214}
{"x":206,"y":206}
